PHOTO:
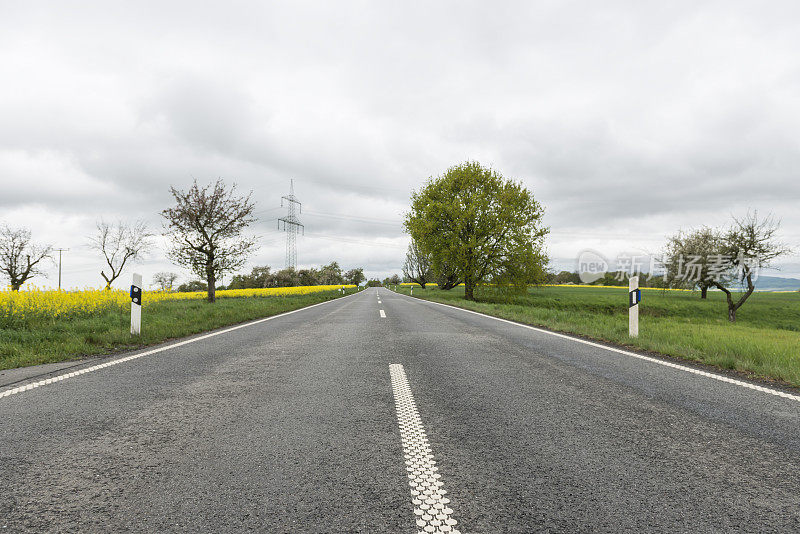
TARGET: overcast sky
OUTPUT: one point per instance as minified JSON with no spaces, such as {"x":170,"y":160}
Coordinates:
{"x":627,"y":120}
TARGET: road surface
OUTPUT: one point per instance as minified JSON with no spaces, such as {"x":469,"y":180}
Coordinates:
{"x":378,"y":412}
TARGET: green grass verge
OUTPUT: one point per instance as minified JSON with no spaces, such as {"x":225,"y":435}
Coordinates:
{"x":764,"y":342}
{"x":47,"y":341}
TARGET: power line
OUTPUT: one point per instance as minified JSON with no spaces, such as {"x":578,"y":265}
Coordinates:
{"x":354,"y":241}
{"x":266,"y":210}
{"x":369,"y":220}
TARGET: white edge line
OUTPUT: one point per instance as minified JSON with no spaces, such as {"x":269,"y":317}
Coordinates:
{"x":665,"y":363}
{"x":59,"y":378}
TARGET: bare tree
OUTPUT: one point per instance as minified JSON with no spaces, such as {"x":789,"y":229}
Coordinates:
{"x":120,"y":243}
{"x":749,"y":245}
{"x":19,"y":258}
{"x":165,"y":280}
{"x":417,"y":267}
{"x":206,"y":227}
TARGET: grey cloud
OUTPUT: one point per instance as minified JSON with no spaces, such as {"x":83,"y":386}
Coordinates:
{"x":627,"y":119}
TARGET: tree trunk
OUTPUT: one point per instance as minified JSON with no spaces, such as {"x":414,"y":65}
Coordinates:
{"x":729,"y":298}
{"x":212,"y":286}
{"x":731,"y":307}
{"x":107,"y":279}
{"x":469,"y":288}
{"x":15,"y":286}
{"x":703,"y":292}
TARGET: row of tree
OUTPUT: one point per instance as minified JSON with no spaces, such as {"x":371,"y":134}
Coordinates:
{"x":325,"y":275}
{"x":206,"y":227}
{"x":705,"y":258}
{"x":263,"y":276}
{"x":724,"y":257}
{"x":471,"y":225}
{"x":208,"y":231}
{"x":611,"y":278}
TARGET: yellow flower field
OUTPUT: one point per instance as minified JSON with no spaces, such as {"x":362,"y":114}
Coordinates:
{"x":18,"y":306}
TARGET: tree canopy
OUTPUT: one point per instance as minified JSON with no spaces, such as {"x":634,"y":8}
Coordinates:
{"x":473,"y":222}
{"x":692,"y":252}
{"x":207,"y":226}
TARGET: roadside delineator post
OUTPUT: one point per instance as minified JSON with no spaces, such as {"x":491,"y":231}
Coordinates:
{"x":634,"y":297}
{"x":136,"y":305}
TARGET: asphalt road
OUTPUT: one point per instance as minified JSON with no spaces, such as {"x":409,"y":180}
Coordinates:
{"x":297,"y":424}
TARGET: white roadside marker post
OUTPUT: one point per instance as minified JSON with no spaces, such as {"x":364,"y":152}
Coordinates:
{"x":634,"y":297}
{"x":136,"y":305}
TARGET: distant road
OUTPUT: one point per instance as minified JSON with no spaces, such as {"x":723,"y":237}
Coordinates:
{"x":382,"y":413}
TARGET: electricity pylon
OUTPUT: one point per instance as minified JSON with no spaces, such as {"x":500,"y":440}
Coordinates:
{"x":291,"y":224}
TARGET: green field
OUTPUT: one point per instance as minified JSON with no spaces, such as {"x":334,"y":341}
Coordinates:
{"x":764,"y":342}
{"x":45,"y":341}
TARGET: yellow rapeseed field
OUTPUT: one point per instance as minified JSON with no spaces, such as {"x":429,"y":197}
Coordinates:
{"x":36,"y":303}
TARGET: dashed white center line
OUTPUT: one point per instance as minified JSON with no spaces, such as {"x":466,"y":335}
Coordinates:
{"x":430,"y":504}
{"x":383,"y":314}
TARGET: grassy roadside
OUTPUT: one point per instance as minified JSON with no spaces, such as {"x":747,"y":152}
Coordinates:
{"x":764,"y":342}
{"x":47,"y":341}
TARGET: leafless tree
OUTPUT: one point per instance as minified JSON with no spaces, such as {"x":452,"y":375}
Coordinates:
{"x":165,"y":280}
{"x":19,"y":258}
{"x":417,"y":267}
{"x":207,"y":227}
{"x":748,"y":246}
{"x":120,"y":243}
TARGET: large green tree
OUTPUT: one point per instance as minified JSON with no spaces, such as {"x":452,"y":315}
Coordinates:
{"x":481,"y":225}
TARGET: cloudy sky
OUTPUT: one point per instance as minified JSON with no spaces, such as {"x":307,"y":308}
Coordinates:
{"x":628,"y":120}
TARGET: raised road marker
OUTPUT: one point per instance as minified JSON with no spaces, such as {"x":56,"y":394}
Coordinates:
{"x":430,"y":504}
